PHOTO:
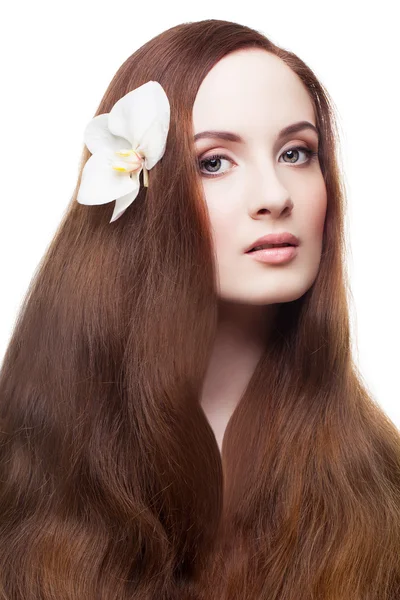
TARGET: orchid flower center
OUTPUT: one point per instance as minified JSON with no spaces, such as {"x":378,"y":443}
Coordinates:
{"x":130,"y":161}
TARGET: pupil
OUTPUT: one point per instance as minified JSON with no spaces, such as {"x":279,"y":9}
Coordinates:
{"x":212,"y":161}
{"x":290,"y":152}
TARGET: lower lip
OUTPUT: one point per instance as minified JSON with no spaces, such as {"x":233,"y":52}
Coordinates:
{"x":274,"y":255}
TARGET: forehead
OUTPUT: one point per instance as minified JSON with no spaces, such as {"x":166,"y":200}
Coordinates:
{"x":251,"y":91}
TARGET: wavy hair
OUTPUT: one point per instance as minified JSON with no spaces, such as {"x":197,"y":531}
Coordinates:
{"x":112,"y":485}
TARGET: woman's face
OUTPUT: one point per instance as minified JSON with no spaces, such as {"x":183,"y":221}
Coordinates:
{"x":258,"y":187}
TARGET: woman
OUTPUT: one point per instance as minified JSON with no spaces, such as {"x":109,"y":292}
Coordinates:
{"x":180,"y":420}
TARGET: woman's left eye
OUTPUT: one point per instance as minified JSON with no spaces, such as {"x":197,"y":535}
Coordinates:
{"x":292,"y":152}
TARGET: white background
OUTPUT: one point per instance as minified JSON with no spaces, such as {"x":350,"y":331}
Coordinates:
{"x":57,"y":59}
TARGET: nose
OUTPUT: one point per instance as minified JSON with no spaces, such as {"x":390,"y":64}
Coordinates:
{"x":267,"y":194}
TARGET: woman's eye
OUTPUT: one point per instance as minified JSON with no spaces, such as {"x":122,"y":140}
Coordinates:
{"x":214,"y":159}
{"x":292,"y":154}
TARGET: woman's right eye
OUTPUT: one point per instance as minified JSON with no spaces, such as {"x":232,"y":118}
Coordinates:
{"x":215,"y":158}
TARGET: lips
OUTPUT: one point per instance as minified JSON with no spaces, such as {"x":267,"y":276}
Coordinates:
{"x":266,"y":246}
{"x":274,"y":239}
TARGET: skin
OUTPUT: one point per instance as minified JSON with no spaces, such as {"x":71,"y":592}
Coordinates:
{"x":257,"y":189}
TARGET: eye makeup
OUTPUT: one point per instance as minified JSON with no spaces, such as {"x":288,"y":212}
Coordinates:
{"x":311,"y":155}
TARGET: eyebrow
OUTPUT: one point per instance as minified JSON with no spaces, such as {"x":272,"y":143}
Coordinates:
{"x":234,"y":137}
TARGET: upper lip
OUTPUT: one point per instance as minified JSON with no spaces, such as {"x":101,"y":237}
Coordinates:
{"x":275,"y":238}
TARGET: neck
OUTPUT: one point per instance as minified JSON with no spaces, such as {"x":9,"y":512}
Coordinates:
{"x":241,"y":337}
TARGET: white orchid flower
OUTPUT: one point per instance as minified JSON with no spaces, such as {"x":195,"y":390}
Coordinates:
{"x":131,"y":137}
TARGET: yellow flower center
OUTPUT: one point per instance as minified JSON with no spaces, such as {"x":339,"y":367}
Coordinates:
{"x":130,"y":161}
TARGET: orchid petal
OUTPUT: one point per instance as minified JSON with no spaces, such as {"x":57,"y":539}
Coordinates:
{"x":97,"y":136}
{"x":154,"y":143}
{"x":122,"y":203}
{"x":101,"y":183}
{"x":142,"y":116}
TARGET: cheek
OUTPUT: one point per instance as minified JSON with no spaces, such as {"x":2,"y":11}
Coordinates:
{"x":317,"y":219}
{"x":224,"y":226}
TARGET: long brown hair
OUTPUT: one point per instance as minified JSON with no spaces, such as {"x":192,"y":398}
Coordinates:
{"x":112,"y":485}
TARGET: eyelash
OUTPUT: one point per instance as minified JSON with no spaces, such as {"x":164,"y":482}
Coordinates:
{"x":311,"y":154}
